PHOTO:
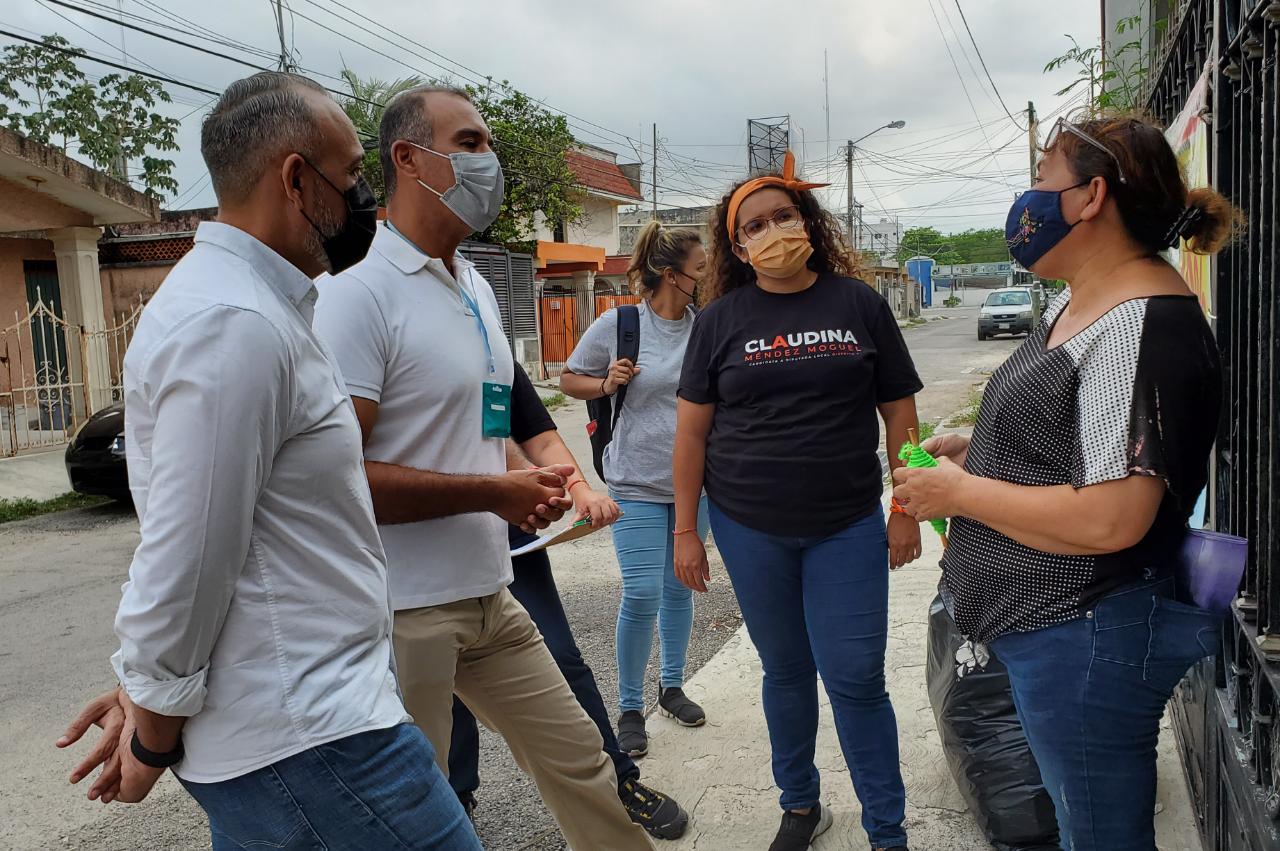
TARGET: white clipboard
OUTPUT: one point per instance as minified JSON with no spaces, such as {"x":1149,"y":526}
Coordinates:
{"x":572,"y":532}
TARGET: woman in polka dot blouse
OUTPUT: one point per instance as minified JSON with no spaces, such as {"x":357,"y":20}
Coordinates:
{"x":1091,"y":448}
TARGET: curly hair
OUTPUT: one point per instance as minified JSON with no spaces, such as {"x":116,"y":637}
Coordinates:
{"x":726,"y":272}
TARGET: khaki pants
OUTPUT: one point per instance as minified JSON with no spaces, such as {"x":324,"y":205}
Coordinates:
{"x":489,"y":652}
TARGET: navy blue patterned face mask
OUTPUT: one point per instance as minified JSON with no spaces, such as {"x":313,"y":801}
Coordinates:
{"x":1036,"y":224}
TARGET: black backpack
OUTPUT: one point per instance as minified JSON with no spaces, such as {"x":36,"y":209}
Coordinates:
{"x":603,"y":413}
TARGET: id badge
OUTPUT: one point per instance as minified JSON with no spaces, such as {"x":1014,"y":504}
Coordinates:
{"x":496,"y":420}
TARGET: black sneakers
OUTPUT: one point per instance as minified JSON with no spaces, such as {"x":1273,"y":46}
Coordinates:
{"x":655,"y":812}
{"x":797,"y":832}
{"x":673,"y":703}
{"x":633,"y":740}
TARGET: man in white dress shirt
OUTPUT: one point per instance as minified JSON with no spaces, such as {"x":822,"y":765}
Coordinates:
{"x":255,"y":637}
{"x":416,"y":332}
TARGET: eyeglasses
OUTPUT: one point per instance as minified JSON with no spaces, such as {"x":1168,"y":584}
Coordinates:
{"x":1063,"y":124}
{"x":785,"y":218}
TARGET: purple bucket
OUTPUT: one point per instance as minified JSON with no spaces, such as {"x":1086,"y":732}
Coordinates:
{"x":1209,"y":569}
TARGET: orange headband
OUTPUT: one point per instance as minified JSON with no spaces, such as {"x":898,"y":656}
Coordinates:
{"x":786,"y":181}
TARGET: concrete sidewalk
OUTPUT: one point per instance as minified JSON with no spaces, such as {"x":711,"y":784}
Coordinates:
{"x":721,"y":772}
{"x":40,"y":476}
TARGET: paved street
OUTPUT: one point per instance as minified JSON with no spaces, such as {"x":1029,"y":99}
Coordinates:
{"x":59,"y":585}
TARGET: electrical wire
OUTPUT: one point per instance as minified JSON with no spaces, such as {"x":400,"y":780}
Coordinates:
{"x":960,"y":77}
{"x":85,"y":55}
{"x":983,"y":62}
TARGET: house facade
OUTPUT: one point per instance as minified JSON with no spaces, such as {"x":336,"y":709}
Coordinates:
{"x":578,"y":261}
{"x":60,"y":329}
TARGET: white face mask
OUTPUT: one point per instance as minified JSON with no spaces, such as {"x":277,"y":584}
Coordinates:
{"x":478,"y":187}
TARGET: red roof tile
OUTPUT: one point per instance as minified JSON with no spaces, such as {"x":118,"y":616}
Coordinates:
{"x":601,"y":175}
{"x":616,"y":265}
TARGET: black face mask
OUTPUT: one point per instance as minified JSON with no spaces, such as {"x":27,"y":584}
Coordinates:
{"x":351,"y":243}
{"x":693,"y":296}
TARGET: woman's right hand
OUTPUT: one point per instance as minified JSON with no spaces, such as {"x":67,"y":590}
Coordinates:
{"x":691,"y":565}
{"x":953,"y":446}
{"x":620,"y":372}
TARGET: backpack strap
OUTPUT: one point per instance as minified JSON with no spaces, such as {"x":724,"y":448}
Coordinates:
{"x":628,"y":348}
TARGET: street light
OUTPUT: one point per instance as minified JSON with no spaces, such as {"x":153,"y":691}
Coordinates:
{"x":856,"y":238}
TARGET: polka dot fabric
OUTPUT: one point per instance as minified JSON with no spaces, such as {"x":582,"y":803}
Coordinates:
{"x":1078,"y":415}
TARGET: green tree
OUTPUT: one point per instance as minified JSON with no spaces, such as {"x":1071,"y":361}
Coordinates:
{"x":44,"y":95}
{"x":985,"y":245}
{"x":1115,"y":78}
{"x":127,"y":127}
{"x":532,"y":144}
{"x":926,"y":242}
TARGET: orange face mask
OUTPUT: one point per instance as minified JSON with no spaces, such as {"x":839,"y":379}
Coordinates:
{"x":780,"y":253}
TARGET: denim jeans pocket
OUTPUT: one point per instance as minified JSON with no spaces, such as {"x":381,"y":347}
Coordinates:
{"x":1181,"y":635}
{"x":255,"y":811}
{"x":1122,"y":626}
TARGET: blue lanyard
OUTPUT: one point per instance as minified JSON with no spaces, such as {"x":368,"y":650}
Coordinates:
{"x":467,"y":299}
{"x":484,"y":332}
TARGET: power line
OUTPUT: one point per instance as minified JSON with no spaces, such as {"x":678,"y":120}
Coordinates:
{"x":479,"y":79}
{"x":983,"y":62}
{"x":209,"y":51}
{"x":84,"y":55}
{"x":959,"y":76}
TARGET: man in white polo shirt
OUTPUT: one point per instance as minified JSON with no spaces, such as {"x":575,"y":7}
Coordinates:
{"x":417,"y":334}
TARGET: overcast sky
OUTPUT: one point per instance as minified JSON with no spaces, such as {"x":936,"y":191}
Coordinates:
{"x":698,"y":70}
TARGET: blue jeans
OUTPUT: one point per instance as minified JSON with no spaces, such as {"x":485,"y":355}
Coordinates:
{"x":650,"y":592}
{"x":535,"y":589}
{"x":821,"y":606}
{"x":1090,"y":694}
{"x":379,"y":789}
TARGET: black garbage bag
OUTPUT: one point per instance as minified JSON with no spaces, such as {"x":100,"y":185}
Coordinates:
{"x":984,"y":743}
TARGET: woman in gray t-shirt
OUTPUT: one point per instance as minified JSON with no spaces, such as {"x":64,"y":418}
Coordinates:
{"x":665,"y":269}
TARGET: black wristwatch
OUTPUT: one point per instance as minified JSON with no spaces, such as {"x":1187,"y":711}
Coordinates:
{"x":153,"y":759}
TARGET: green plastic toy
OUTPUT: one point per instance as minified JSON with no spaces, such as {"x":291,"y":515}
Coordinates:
{"x":916,"y":457}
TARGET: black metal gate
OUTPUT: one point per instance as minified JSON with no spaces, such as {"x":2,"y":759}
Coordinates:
{"x":1226,"y":712}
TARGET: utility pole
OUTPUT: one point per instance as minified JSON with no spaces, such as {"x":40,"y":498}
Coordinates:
{"x":655,"y":170}
{"x":1033,"y":136}
{"x":826,"y":108}
{"x":286,"y":61}
{"x":848,"y":214}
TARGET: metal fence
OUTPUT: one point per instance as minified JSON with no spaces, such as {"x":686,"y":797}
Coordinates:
{"x":54,"y":375}
{"x":1225,"y":713}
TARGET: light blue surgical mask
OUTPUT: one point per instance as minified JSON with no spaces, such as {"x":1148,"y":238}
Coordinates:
{"x":478,"y":187}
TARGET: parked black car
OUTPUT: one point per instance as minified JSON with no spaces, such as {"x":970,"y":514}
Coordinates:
{"x":95,"y":458}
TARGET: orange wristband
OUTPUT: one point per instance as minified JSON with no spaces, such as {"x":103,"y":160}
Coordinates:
{"x":575,"y":484}
{"x":895,"y":507}
{"x":684,"y":531}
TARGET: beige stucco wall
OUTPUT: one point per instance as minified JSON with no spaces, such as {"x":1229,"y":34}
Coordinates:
{"x":598,"y":226}
{"x":123,"y":286}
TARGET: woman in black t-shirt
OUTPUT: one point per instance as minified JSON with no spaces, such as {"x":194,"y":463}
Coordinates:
{"x":1072,"y":498}
{"x":786,"y":369}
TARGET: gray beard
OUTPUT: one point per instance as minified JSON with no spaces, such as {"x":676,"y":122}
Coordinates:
{"x":328,"y":224}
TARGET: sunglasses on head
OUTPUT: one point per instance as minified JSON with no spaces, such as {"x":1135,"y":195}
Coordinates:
{"x":1062,"y":125}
